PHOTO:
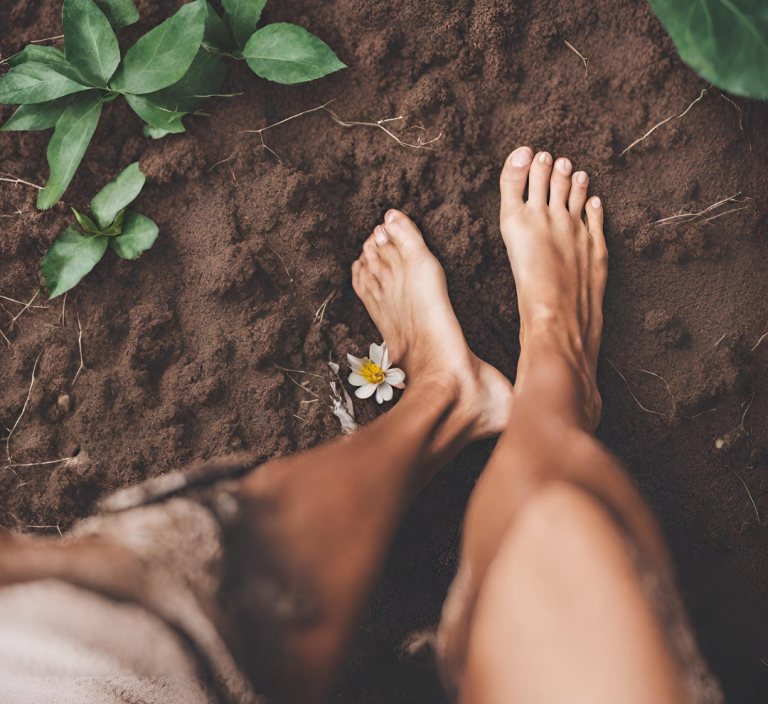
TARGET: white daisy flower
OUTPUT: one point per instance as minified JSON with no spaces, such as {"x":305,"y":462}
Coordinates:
{"x":374,"y":373}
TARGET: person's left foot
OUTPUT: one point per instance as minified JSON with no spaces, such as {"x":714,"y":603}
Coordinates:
{"x":403,"y":287}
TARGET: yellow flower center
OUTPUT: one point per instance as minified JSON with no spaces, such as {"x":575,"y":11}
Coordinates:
{"x":372,"y":373}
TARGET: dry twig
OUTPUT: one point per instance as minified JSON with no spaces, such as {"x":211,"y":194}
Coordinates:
{"x":744,"y":484}
{"x":748,"y":401}
{"x":26,"y":401}
{"x":261,"y":131}
{"x":80,"y":348}
{"x":762,"y":337}
{"x":21,"y":303}
{"x":283,"y":263}
{"x":685,"y":217}
{"x":24,"y":309}
{"x":741,"y":118}
{"x":580,"y":55}
{"x":16,"y":181}
{"x":380,"y":125}
{"x":647,"y":410}
{"x":47,"y":39}
{"x":321,"y":310}
{"x":36,"y":464}
{"x":664,"y":122}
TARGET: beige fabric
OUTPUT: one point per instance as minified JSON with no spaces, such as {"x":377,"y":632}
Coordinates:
{"x":62,"y":644}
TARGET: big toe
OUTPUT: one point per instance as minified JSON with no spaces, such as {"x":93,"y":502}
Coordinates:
{"x":402,"y":232}
{"x":514,"y":178}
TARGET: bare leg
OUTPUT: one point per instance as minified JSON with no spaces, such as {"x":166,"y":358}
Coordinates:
{"x":550,"y":603}
{"x":315,"y":529}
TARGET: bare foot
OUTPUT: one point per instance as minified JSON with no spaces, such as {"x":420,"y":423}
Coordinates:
{"x":560,"y":262}
{"x":403,"y":287}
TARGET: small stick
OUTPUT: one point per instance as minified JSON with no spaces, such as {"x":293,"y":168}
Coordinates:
{"x":658,"y":376}
{"x":16,"y":181}
{"x":63,"y":316}
{"x":261,"y":131}
{"x":708,"y":209}
{"x":762,"y":337}
{"x":580,"y":55}
{"x":741,"y":118}
{"x":223,"y":161}
{"x":647,"y":410}
{"x":321,"y":310}
{"x":744,"y":484}
{"x":21,"y":303}
{"x":664,"y":122}
{"x":283,"y":262}
{"x":380,"y":125}
{"x":721,"y":339}
{"x":36,"y":464}
{"x":80,"y":347}
{"x":8,"y":342}
{"x":750,"y":399}
{"x":29,"y":393}
{"x":47,"y":39}
{"x":309,"y":391}
{"x":23,"y":310}
{"x":711,"y":410}
{"x":299,"y":371}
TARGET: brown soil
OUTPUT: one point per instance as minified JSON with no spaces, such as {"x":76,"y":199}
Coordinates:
{"x":179,"y":345}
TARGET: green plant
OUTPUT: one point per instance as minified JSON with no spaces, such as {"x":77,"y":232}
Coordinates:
{"x":724,"y":41}
{"x":164,"y":76}
{"x":80,"y":247}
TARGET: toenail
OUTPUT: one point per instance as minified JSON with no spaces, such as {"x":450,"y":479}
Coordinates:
{"x":381,"y":237}
{"x":545,"y":158}
{"x":595,"y":202}
{"x":521,"y":157}
{"x":563,"y":166}
{"x":581,"y":177}
{"x":390,"y":217}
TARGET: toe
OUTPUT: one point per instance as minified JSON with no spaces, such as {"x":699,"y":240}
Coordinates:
{"x":595,"y":225}
{"x":372,"y":259}
{"x":514,"y":178}
{"x":560,"y":183}
{"x":357,"y":267}
{"x":387,"y":250}
{"x":538,"y":181}
{"x":598,"y":274}
{"x":402,"y":232}
{"x":578,"y":194}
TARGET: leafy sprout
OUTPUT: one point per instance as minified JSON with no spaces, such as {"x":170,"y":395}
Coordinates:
{"x":164,"y":76}
{"x":80,"y":247}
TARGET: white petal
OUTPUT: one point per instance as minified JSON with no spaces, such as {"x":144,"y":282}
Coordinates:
{"x":376,"y":353}
{"x":385,"y":358}
{"x":394,"y":376}
{"x":357,"y":379}
{"x":386,"y":391}
{"x":366,"y":391}
{"x":355,"y":363}
{"x":379,"y":396}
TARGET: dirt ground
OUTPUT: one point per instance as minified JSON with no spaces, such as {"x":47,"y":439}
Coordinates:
{"x":180,"y":345}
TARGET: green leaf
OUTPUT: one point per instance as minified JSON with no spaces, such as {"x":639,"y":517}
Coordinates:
{"x":39,"y":116}
{"x":163,"y":55}
{"x":35,"y":83}
{"x":139,"y":234}
{"x":90,"y":45}
{"x":116,"y":227}
{"x":119,"y":192}
{"x":203,"y":78}
{"x":154,"y":115}
{"x":51,"y":56}
{"x":216,"y":35}
{"x":74,"y":130}
{"x":724,"y":41}
{"x":158,"y":132}
{"x":241,"y":16}
{"x":120,"y":13}
{"x":287,"y":53}
{"x":40,"y":54}
{"x":87,"y":225}
{"x":70,"y":258}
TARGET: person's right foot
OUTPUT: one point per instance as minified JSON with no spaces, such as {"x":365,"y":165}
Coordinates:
{"x":559,"y":260}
